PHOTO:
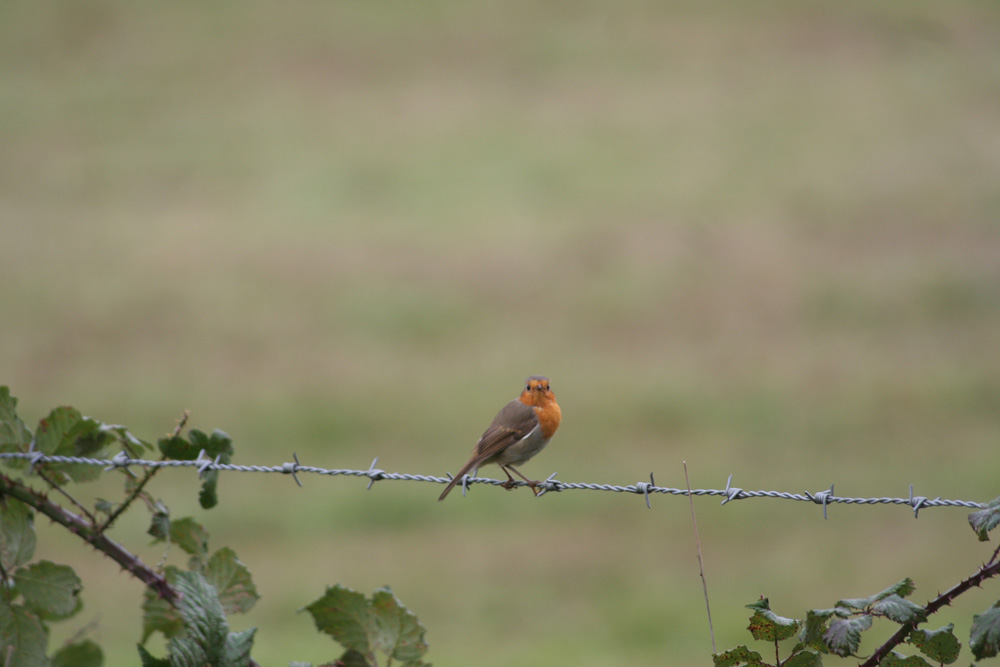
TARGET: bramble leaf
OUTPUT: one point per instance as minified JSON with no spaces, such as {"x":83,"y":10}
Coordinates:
{"x":986,"y":519}
{"x":899,"y":610}
{"x":805,"y":658}
{"x":14,"y":435}
{"x":899,"y":660}
{"x":815,"y":628}
{"x":17,"y":533}
{"x":232,"y":580}
{"x":206,"y":640}
{"x":400,"y":635}
{"x":984,"y":639}
{"x":158,"y":614}
{"x":22,"y":634}
{"x":902,"y":588}
{"x":149,"y":661}
{"x":80,"y":654}
{"x":50,"y":590}
{"x":343,"y":614}
{"x":765,"y":625}
{"x":741,"y":655}
{"x":844,"y":634}
{"x":941,"y":645}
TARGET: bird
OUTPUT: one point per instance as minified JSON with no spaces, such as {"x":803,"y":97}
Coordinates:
{"x":519,"y":431}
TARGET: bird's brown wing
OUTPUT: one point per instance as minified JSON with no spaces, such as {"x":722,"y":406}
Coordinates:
{"x":511,"y":424}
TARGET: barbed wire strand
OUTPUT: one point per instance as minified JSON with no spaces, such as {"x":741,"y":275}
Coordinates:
{"x":204,"y":464}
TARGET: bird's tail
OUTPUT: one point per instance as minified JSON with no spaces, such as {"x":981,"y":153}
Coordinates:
{"x":458,"y":478}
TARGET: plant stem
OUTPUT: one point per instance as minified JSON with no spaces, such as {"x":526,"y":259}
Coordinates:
{"x":89,"y":534}
{"x":990,"y":570}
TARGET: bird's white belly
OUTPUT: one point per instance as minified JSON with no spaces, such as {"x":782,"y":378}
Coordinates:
{"x":523,"y":449}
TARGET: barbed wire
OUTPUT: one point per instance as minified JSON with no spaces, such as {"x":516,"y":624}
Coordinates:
{"x":203,"y":464}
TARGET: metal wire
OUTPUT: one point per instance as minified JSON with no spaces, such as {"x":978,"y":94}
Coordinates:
{"x":645,"y":489}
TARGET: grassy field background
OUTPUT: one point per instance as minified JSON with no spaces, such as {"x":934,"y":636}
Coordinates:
{"x":761,"y":238}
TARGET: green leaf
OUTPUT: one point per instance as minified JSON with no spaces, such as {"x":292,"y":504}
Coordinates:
{"x":344,"y":615}
{"x":763,"y":604}
{"x":400,"y":634}
{"x":186,"y":533}
{"x":941,"y":645}
{"x":217,"y":445}
{"x":899,"y":610}
{"x":14,"y":435}
{"x":740,"y":655}
{"x":986,"y":519}
{"x":765,"y":625}
{"x":902,"y":589}
{"x":232,"y":580}
{"x":238,"y":646}
{"x":899,"y":589}
{"x":984,"y":639}
{"x":79,"y":654}
{"x":159,"y":524}
{"x":204,"y":640}
{"x":804,"y":658}
{"x":844,"y":634}
{"x":49,"y":589}
{"x":17,"y":533}
{"x":149,"y":661}
{"x":899,"y":660}
{"x":65,"y":432}
{"x":22,"y":631}
{"x":352,"y":658}
{"x":815,"y":628}
{"x":158,"y":615}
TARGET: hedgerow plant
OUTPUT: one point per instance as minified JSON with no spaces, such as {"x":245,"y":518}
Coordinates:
{"x":838,"y":630}
{"x":187,"y":606}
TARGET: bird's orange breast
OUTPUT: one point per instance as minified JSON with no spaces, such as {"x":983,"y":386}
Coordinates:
{"x":549,"y":415}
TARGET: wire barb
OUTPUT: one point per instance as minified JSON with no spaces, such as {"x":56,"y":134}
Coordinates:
{"x":374,"y":474}
{"x":293,"y":469}
{"x":821,"y":498}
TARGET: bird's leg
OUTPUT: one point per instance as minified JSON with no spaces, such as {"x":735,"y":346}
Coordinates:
{"x":533,"y":484}
{"x":509,"y":484}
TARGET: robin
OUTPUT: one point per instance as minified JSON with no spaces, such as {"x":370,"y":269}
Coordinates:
{"x":518,"y":432}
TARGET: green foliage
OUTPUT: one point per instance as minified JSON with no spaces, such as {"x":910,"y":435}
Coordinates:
{"x":216,"y":446}
{"x":986,"y":519}
{"x":36,"y":593}
{"x":985,"y":636}
{"x":366,"y":626}
{"x":838,"y":630}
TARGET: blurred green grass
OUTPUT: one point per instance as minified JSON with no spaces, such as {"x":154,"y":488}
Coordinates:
{"x":759,"y":238}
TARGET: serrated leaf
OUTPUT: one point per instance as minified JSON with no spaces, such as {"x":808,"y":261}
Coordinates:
{"x":352,"y":658}
{"x":149,"y":661}
{"x":238,"y":646}
{"x":204,"y":640}
{"x":401,"y":634}
{"x":66,"y":432}
{"x":941,"y":645}
{"x":901,"y":589}
{"x":23,"y":635}
{"x":984,"y":639}
{"x":899,"y":660}
{"x":14,"y":435}
{"x":17,"y":533}
{"x":815,"y":627}
{"x":49,"y":589}
{"x":899,"y":610}
{"x":762,"y":604}
{"x":741,"y":655}
{"x":189,"y":535}
{"x":344,"y":614}
{"x":128,"y":441}
{"x":804,"y":658}
{"x":844,"y":634}
{"x":80,"y":654}
{"x":232,"y":580}
{"x":159,"y":525}
{"x":765,"y":625}
{"x":158,"y":614}
{"x":986,"y":519}
{"x":102,"y":506}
